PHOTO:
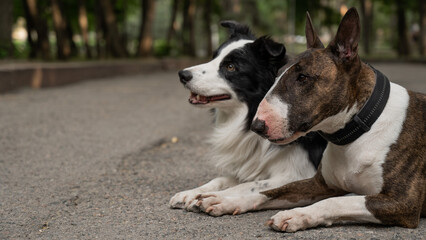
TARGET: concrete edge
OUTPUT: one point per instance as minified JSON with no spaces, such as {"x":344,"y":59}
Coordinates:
{"x":43,"y":75}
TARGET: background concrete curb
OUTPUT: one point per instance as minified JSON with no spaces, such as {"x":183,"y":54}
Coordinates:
{"x":41,"y":75}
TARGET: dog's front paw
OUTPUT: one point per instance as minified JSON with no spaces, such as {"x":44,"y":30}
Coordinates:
{"x":183,"y":199}
{"x":292,"y":220}
{"x":215,"y":205}
{"x":222,"y":203}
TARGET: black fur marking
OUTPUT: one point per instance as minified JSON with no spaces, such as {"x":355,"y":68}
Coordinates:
{"x":256,"y":65}
{"x":315,"y":145}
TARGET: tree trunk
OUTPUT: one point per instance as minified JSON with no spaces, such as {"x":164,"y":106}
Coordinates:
{"x":145,"y":36}
{"x":6,"y":21}
{"x":367,"y":23}
{"x":252,"y":10}
{"x":232,"y":9}
{"x":124,"y":37}
{"x":70,"y":34}
{"x":114,"y":43}
{"x":207,"y":26}
{"x":422,"y":33}
{"x":173,"y":24}
{"x":403,"y":46}
{"x":60,"y":25}
{"x":188,"y":28}
{"x":84,"y":25}
{"x":30,"y":28}
{"x":100,"y":33}
{"x":40,"y":25}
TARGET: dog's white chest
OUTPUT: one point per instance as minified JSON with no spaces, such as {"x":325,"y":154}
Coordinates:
{"x":358,"y":174}
{"x":358,"y":167}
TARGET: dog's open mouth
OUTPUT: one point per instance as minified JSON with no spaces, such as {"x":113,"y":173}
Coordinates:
{"x":199,"y":99}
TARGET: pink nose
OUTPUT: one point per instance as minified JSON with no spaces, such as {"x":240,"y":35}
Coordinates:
{"x":259,"y":125}
{"x":268,"y":123}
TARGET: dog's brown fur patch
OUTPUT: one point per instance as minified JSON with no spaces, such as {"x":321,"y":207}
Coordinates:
{"x":402,"y":200}
{"x":312,"y":189}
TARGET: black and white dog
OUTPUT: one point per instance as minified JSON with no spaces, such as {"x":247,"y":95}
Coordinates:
{"x":233,"y":83}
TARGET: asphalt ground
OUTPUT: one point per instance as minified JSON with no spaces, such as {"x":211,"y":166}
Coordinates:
{"x":101,"y":159}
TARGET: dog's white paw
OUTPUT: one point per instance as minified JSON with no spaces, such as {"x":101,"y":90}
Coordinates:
{"x":184,"y":199}
{"x":216,"y":205}
{"x":293,"y":220}
{"x":221,"y":203}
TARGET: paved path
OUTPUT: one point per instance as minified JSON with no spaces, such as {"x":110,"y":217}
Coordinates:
{"x":96,"y":160}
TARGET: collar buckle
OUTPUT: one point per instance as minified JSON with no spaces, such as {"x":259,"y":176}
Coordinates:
{"x":362,"y":124}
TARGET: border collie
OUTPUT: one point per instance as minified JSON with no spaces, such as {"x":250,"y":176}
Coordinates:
{"x":233,"y":83}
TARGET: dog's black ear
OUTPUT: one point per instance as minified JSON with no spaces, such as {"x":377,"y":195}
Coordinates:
{"x":345,"y":43}
{"x":312,"y":39}
{"x":273,"y":48}
{"x":237,"y":30}
{"x":271,"y":51}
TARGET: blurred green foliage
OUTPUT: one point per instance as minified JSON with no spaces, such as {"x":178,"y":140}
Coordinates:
{"x":282,"y":19}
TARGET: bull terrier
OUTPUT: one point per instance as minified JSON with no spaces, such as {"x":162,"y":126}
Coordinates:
{"x":375,"y":129}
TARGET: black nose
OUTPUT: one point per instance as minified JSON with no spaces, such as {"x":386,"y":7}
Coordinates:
{"x":185,"y":76}
{"x":259,"y":127}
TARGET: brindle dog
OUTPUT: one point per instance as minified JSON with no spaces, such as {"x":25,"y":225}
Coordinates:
{"x":322,"y":89}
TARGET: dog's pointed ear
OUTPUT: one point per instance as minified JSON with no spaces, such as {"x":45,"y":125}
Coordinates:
{"x":237,"y":29}
{"x":271,"y":51}
{"x":312,"y":39}
{"x":345,"y":43}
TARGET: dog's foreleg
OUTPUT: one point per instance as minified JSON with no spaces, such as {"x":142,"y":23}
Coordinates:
{"x":300,"y":193}
{"x":325,"y":212}
{"x":185,"y":198}
{"x":239,"y":199}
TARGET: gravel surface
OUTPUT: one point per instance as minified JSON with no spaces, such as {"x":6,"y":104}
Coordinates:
{"x":97,"y":160}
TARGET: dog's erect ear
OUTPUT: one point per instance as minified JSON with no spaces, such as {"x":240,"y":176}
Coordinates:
{"x":312,"y":39}
{"x":237,"y":29}
{"x":271,"y":51}
{"x":345,"y":43}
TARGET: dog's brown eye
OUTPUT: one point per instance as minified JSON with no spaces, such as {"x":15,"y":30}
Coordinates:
{"x":230,"y":67}
{"x":301,"y":77}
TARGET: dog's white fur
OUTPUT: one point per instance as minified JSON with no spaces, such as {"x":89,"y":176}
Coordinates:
{"x":251,"y":163}
{"x":348,"y":168}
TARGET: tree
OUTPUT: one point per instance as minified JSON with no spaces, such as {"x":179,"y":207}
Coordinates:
{"x":145,"y":36}
{"x":61,"y":29}
{"x":84,"y":25}
{"x":113,"y":40}
{"x":6,"y":20}
{"x":173,"y":23}
{"x":100,"y":29}
{"x":188,"y":27}
{"x":207,"y":25}
{"x":39,"y":46}
{"x":367,"y":23}
{"x":403,"y":46}
{"x":422,"y":33}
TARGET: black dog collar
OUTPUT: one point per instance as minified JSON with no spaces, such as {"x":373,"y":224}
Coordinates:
{"x":365,"y":118}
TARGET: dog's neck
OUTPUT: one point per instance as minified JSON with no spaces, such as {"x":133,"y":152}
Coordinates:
{"x":223,"y":116}
{"x":363,"y":85}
